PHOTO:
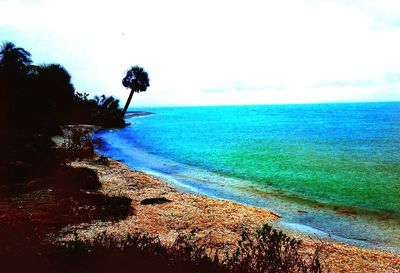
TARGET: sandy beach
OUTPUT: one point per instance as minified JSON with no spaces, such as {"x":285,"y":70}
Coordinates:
{"x":215,"y":223}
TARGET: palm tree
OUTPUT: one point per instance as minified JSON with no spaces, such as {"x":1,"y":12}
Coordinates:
{"x":54,"y":82}
{"x":107,"y":103}
{"x":14,"y":64}
{"x":56,"y":72}
{"x":57,"y":78}
{"x":137,"y":80}
{"x":51,"y":91}
{"x":14,"y":58}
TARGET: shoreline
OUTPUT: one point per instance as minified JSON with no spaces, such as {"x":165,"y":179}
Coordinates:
{"x":284,"y":223}
{"x":336,"y":223}
{"x":214,"y":222}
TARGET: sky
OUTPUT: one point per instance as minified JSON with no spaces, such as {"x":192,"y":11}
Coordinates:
{"x":216,"y":52}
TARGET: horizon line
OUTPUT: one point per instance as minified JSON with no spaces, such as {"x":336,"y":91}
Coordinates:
{"x":260,"y":104}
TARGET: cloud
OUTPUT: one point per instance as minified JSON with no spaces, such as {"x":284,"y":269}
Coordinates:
{"x":352,"y":83}
{"x":207,"y":51}
{"x":241,"y":87}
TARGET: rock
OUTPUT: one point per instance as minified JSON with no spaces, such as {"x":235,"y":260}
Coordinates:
{"x":157,"y":200}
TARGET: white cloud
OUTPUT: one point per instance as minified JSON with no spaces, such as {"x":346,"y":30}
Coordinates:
{"x":189,"y":47}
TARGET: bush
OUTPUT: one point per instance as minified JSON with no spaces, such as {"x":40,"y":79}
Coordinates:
{"x":269,"y":250}
{"x":137,"y":253}
{"x":102,"y":111}
{"x":265,"y":251}
{"x":77,"y":143}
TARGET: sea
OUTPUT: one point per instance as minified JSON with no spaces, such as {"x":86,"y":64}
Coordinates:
{"x":332,"y":170}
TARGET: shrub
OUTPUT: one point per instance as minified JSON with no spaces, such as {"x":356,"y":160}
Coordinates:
{"x":102,"y":111}
{"x":137,"y":253}
{"x":77,"y":143}
{"x":268,"y":250}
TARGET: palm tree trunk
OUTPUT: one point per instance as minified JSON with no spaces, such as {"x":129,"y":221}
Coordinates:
{"x":127,"y":103}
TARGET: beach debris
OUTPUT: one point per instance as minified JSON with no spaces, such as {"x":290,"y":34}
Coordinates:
{"x":275,"y":214}
{"x":102,"y":160}
{"x":215,"y":222}
{"x":157,"y":200}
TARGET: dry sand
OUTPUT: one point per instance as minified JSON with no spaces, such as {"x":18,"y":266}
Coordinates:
{"x":216,"y":223}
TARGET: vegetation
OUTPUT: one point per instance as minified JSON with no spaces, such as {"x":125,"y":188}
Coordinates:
{"x":102,"y":111}
{"x":271,"y":252}
{"x":35,"y":101}
{"x":43,"y":207}
{"x":137,"y":80}
{"x":77,"y":144}
{"x":45,"y":95}
{"x":14,"y":58}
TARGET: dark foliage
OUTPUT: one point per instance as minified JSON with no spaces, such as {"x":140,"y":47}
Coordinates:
{"x":136,"y":79}
{"x":39,"y":193}
{"x":34,"y":102}
{"x":77,"y":144}
{"x":269,"y":250}
{"x":43,"y":96}
{"x":14,"y":64}
{"x":23,"y":155}
{"x":14,"y":58}
{"x":265,"y":251}
{"x":102,"y":160}
{"x":137,"y":253}
{"x":102,"y":111}
{"x":65,"y":196}
{"x":52,"y":84}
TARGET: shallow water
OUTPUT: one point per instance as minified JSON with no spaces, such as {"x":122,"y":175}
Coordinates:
{"x":321,"y":159}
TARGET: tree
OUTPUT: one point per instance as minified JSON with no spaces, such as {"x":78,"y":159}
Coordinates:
{"x":137,"y":80}
{"x":56,"y":81}
{"x":14,"y":64}
{"x":107,"y":104}
{"x":14,"y":58}
{"x":52,"y":92}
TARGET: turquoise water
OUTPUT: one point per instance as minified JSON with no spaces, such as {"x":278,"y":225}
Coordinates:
{"x":343,"y":156}
{"x":337,"y":154}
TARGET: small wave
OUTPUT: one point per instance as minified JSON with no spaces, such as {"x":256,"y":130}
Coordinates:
{"x":138,"y":114}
